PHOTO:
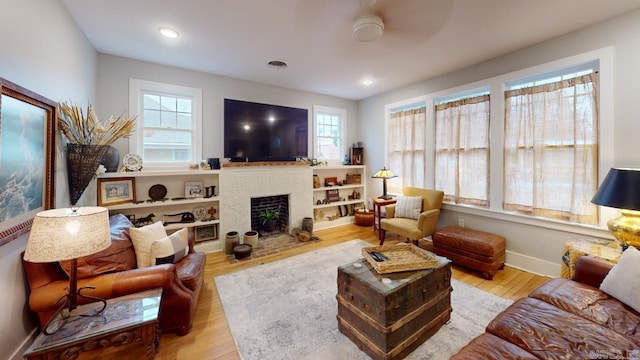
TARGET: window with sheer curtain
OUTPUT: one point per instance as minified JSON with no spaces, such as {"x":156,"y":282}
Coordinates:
{"x":462,"y":150}
{"x":407,"y":145}
{"x":551,"y":149}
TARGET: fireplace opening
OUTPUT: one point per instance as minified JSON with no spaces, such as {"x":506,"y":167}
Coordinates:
{"x":278,"y":203}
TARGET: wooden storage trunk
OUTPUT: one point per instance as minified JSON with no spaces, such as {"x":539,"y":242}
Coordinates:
{"x":388,"y":320}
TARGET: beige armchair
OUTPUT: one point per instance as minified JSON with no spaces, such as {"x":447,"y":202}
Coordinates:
{"x":426,"y":222}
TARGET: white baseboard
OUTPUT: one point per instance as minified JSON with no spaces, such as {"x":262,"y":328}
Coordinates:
{"x":532,"y":265}
{"x":17,"y":355}
{"x":326,"y":224}
{"x":209,"y":246}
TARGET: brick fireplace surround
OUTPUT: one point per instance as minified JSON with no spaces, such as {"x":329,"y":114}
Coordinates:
{"x":239,"y":185}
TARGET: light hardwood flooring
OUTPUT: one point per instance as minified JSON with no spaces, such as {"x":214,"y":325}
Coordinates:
{"x":211,"y":338}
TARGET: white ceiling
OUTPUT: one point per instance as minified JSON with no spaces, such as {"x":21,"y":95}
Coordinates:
{"x":422,"y":38}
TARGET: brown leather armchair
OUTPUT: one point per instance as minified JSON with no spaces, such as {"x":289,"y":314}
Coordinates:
{"x":414,"y":229}
{"x":181,"y":283}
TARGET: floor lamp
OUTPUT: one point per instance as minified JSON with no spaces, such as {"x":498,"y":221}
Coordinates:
{"x":384,"y":174}
{"x":68,"y":234}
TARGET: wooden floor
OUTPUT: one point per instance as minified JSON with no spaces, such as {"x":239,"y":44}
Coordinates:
{"x":211,"y":338}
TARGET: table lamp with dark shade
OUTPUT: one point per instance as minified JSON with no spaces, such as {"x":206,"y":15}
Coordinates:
{"x":621,"y":189}
{"x":68,"y":234}
{"x":384,"y":174}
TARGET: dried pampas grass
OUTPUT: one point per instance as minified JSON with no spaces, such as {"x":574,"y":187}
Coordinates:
{"x":89,"y":130}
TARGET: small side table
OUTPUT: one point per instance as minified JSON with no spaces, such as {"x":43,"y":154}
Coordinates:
{"x":573,"y":249}
{"x":377,"y":214}
{"x":130,"y":319}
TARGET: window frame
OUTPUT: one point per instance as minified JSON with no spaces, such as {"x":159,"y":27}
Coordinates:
{"x":605,"y":58}
{"x":464,"y":95}
{"x":137,"y":89}
{"x":418,"y":101}
{"x":342,"y":138}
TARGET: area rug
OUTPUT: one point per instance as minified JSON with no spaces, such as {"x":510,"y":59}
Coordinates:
{"x":287,"y":310}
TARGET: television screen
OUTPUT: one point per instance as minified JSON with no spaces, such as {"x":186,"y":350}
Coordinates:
{"x":263,"y":132}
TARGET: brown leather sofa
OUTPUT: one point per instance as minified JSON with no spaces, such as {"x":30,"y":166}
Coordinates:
{"x":117,"y":275}
{"x":562,"y":319}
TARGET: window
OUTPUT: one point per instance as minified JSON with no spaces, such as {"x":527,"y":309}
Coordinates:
{"x":407,"y":147}
{"x":169,"y":123}
{"x":551,"y":146}
{"x":462,"y":149}
{"x":329,"y":124}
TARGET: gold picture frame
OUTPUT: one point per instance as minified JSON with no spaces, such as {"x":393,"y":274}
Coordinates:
{"x":27,"y":164}
{"x":116,"y":191}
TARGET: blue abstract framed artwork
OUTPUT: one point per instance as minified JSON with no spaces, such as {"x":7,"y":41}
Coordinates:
{"x":27,"y":158}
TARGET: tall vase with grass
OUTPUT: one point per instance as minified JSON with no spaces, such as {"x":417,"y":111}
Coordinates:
{"x":88,"y":139}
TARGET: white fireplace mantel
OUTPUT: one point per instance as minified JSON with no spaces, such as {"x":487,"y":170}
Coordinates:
{"x":239,"y":185}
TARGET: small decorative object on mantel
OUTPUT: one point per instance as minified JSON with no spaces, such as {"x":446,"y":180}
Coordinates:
{"x":330,"y":181}
{"x":200,"y":213}
{"x":333,"y":195}
{"x":89,"y":139}
{"x":111,"y":159}
{"x":193,"y":189}
{"x":185,"y":218}
{"x":204,"y":165}
{"x":132,"y":162}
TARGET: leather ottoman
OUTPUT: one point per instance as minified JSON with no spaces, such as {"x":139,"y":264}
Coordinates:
{"x":477,"y":250}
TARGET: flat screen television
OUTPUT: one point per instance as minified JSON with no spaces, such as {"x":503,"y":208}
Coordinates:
{"x":263,"y":132}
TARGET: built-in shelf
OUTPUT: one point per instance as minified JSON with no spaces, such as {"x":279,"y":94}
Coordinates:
{"x":325,"y":213}
{"x":339,"y":187}
{"x":339,"y":203}
{"x":174,"y":181}
{"x":167,"y":202}
{"x":193,"y":224}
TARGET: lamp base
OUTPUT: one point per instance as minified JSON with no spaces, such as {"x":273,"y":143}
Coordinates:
{"x":59,"y":318}
{"x":385,"y":197}
{"x":626,"y":228}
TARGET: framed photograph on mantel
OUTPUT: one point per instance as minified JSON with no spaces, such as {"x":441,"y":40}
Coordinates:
{"x":27,"y":158}
{"x":116,"y":191}
{"x":333,"y":195}
{"x":193,"y":189}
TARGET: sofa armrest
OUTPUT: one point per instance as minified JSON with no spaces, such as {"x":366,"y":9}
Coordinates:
{"x":591,"y":271}
{"x":107,"y":286}
{"x":192,"y":241}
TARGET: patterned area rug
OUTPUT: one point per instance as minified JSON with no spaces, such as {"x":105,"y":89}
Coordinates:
{"x":287,"y":310}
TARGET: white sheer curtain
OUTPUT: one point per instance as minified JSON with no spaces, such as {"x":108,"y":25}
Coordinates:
{"x":551,"y":149}
{"x":462,"y":150}
{"x":406,"y":136}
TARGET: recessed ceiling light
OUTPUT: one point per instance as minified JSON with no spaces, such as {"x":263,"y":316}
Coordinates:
{"x":367,"y":82}
{"x":278,"y":64}
{"x":168,"y":32}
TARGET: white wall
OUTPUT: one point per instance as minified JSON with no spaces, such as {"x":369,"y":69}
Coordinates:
{"x":113,"y":96}
{"x":529,"y":246}
{"x":43,"y":51}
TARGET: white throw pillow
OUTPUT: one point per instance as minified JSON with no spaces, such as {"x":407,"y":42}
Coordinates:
{"x":142,"y":238}
{"x":170,"y":249}
{"x":408,"y":207}
{"x":623,"y":281}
